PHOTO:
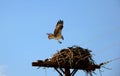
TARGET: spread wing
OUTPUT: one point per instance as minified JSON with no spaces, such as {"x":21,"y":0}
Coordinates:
{"x":58,"y":28}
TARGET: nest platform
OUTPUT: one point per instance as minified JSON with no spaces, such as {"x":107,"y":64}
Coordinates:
{"x":75,"y":57}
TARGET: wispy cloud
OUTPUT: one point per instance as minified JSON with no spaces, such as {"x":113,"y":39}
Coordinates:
{"x":2,"y":70}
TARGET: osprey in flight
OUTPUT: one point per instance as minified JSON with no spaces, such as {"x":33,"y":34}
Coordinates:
{"x":57,"y":35}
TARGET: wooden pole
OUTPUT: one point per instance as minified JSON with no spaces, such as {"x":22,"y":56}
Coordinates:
{"x":67,"y":71}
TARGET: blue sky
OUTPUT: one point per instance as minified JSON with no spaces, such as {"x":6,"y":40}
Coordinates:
{"x":92,"y":24}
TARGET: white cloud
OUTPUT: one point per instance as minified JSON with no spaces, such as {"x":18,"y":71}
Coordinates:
{"x":2,"y":70}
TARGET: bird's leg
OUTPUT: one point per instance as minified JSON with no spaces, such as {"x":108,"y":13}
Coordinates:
{"x":62,"y":38}
{"x":59,"y":41}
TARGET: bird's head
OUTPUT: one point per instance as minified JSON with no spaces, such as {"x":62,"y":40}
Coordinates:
{"x":50,"y":36}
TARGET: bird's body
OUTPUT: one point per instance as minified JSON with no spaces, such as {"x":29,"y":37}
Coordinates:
{"x":57,"y":35}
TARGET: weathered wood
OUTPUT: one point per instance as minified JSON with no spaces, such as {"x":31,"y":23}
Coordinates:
{"x":67,"y":71}
{"x":73,"y":72}
{"x":48,"y":64}
{"x":58,"y":71}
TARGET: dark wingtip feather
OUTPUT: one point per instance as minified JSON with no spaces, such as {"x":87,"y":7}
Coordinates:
{"x":60,"y":22}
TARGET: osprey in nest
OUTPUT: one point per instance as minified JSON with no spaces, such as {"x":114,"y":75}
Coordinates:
{"x":57,"y":35}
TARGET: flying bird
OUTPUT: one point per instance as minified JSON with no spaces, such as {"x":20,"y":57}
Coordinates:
{"x":57,"y":35}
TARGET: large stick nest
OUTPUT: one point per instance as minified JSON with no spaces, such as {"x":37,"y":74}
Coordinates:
{"x":74,"y":56}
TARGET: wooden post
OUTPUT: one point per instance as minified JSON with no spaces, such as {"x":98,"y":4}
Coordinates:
{"x":67,"y":71}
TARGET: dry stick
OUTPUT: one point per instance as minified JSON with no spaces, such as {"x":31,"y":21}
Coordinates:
{"x":58,"y":71}
{"x":62,"y":70}
{"x":73,"y":72}
{"x":108,"y":61}
{"x":63,"y":58}
{"x":58,"y":59}
{"x":82,"y":59}
{"x":70,"y":59}
{"x":80,"y":54}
